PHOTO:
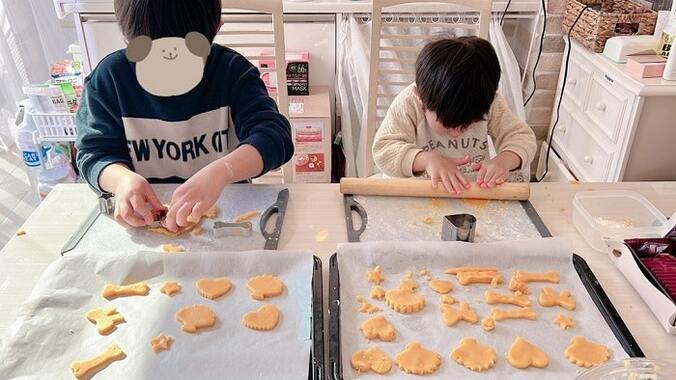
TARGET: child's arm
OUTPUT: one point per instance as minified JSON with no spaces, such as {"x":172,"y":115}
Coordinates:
{"x":514,"y":142}
{"x":265,"y":144}
{"x":394,"y":149}
{"x":103,"y":158}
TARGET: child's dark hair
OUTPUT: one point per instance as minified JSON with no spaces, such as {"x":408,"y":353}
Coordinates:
{"x":457,"y":78}
{"x":168,"y":18}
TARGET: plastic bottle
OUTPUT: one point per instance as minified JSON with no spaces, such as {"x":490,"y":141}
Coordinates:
{"x":32,"y":157}
{"x":669,"y":37}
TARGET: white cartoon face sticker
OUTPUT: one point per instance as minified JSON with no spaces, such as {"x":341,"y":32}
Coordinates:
{"x":169,"y":66}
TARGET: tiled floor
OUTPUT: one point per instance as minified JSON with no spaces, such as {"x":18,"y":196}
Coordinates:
{"x":17,"y":199}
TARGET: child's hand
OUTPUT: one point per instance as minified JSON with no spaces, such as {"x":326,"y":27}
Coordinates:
{"x":135,"y":200}
{"x":444,"y":170}
{"x":494,"y":172}
{"x":196,"y":196}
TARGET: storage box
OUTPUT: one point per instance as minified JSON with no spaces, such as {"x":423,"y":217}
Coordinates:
{"x":297,"y":72}
{"x":616,"y":215}
{"x":645,"y":66}
{"x":310,"y":118}
{"x":607,"y":18}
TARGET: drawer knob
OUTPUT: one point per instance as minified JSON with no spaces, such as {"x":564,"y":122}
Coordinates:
{"x":601,"y":107}
{"x":588,"y":159}
{"x":573,"y":82}
{"x":562,"y":129}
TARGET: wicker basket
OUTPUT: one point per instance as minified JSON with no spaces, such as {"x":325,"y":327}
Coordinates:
{"x":607,"y":18}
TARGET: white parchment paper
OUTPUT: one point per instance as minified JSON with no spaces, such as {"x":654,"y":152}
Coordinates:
{"x":402,"y":218}
{"x":52,"y":330}
{"x":426,"y":327}
{"x":106,"y":235}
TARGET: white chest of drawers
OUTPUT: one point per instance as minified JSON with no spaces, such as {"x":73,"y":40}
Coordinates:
{"x":612,"y":127}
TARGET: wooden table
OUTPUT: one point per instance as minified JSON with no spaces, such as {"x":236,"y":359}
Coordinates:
{"x":315,"y":221}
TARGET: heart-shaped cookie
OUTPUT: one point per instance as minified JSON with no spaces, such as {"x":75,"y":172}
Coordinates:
{"x":265,"y":286}
{"x":373,"y":359}
{"x":213,"y":288}
{"x":378,"y":328}
{"x":263,"y":319}
{"x":522,"y":354}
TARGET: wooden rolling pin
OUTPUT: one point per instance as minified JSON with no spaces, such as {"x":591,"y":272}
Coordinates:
{"x":407,"y":187}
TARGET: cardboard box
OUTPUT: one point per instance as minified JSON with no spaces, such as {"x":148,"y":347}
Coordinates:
{"x":645,"y":66}
{"x":310,"y":118}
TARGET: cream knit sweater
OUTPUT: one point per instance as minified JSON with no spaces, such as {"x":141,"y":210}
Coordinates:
{"x":404,"y":133}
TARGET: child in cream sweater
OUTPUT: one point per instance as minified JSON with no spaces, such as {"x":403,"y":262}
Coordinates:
{"x":439,"y":125}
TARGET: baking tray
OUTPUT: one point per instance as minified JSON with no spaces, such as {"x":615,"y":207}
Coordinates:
{"x":353,"y":207}
{"x":235,"y":200}
{"x":316,"y":368}
{"x":589,"y":280}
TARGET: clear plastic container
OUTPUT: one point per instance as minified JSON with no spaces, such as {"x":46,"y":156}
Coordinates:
{"x":631,"y":369}
{"x":615,"y":215}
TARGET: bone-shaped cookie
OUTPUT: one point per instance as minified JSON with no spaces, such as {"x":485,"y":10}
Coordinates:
{"x":468,"y":278}
{"x":522,"y":312}
{"x":549,"y":298}
{"x":551,"y":276}
{"x":85,"y":369}
{"x":451,"y":316}
{"x":113,"y":291}
{"x":457,"y":270}
{"x":492,"y":298}
{"x":105,"y":319}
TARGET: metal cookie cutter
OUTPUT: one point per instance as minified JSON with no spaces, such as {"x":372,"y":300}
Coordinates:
{"x":232,"y":229}
{"x":458,"y":227}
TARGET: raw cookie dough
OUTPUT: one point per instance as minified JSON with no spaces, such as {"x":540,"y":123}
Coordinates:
{"x":265,"y":286}
{"x":378,"y":328}
{"x":111,"y":292}
{"x":551,"y":276}
{"x":523,"y":354}
{"x":86,"y":369}
{"x":408,"y":283}
{"x":377,"y":293}
{"x":365,"y":307}
{"x":447,"y":299}
{"x":564,"y":322}
{"x":416,"y":360}
{"x":247,"y":216}
{"x":20,"y":232}
{"x":473,"y":355}
{"x":172,"y":248}
{"x":451,"y":316}
{"x":486,"y":277}
{"x":105,"y":319}
{"x":457,"y":270}
{"x":263,"y":319}
{"x":441,"y":286}
{"x":375,"y":275}
{"x":428,"y":220}
{"x":522,"y":312}
{"x":488,"y":324}
{"x":584,"y":353}
{"x":518,"y":286}
{"x":373,"y":359}
{"x":161,"y":343}
{"x":404,"y":300}
{"x":492,"y":298}
{"x":210,"y":214}
{"x":195,"y":317}
{"x":549,"y":298}
{"x":213,"y":288}
{"x":170,"y":288}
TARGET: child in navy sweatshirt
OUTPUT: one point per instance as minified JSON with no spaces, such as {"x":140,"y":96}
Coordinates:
{"x":136,"y":126}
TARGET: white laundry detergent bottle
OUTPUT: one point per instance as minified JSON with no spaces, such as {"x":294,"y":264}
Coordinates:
{"x":30,"y":151}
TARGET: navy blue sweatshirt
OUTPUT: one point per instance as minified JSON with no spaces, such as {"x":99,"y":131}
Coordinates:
{"x":168,"y":139}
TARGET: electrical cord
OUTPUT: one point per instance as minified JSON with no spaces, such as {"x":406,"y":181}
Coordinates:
{"x":537,"y":60}
{"x":558,"y":106}
{"x":504,"y":13}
